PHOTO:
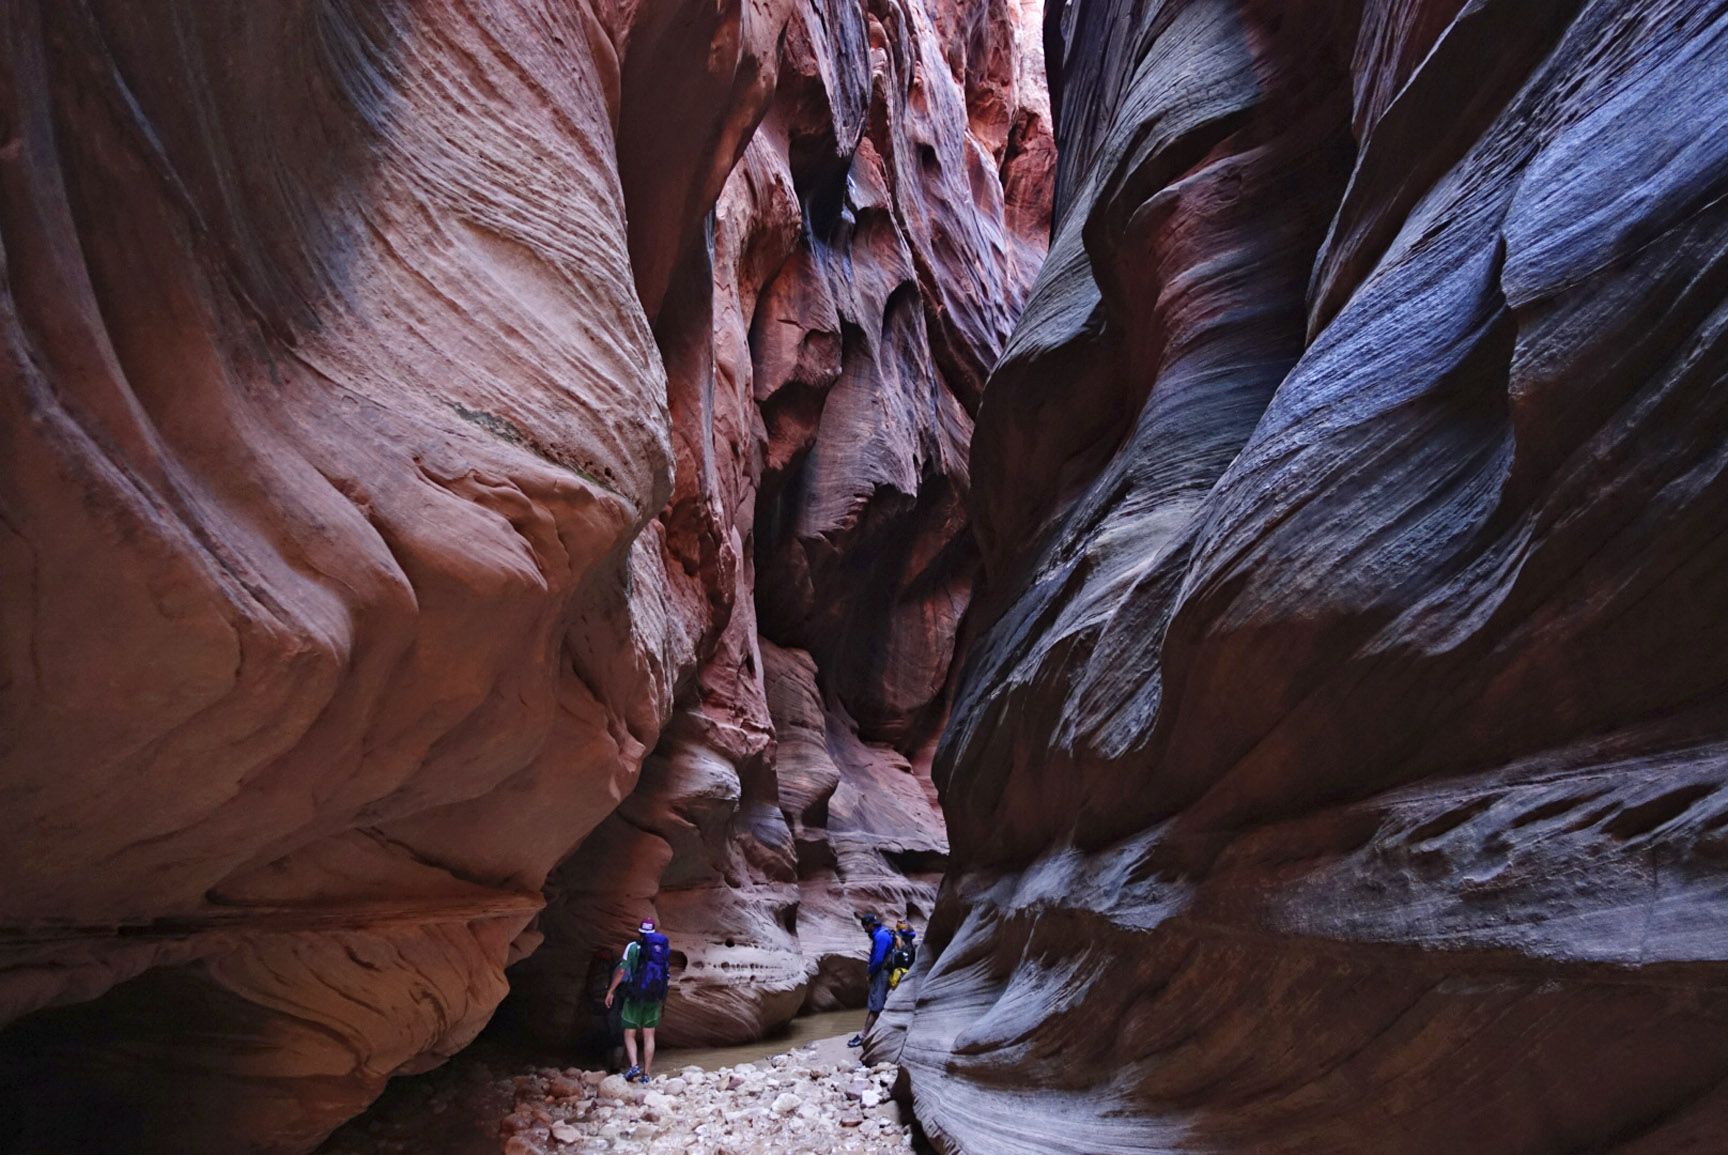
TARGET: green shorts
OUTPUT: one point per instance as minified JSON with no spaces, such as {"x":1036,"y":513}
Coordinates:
{"x":641,"y":1014}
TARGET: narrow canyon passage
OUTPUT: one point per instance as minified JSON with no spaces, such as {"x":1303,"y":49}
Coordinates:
{"x":1210,"y":508}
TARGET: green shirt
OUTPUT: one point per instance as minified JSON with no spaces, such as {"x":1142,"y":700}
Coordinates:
{"x":627,"y":965}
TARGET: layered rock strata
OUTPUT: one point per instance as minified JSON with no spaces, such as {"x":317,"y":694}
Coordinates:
{"x":1338,"y":765}
{"x":387,"y":395}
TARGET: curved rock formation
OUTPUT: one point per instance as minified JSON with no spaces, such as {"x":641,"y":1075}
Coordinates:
{"x":328,"y":444}
{"x":388,"y":389}
{"x":1338,"y":765}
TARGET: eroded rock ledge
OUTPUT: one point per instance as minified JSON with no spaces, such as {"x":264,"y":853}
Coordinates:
{"x":1339,"y":763}
{"x":390,"y":390}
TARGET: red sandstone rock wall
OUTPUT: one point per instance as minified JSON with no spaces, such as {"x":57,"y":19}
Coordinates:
{"x":1340,"y":761}
{"x":388,"y":392}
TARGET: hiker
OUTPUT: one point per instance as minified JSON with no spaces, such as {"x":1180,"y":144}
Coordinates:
{"x":881,"y":946}
{"x":647,"y":967}
{"x":905,"y":953}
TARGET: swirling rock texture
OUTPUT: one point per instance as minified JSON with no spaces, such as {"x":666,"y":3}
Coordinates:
{"x":388,"y":388}
{"x":1339,"y":764}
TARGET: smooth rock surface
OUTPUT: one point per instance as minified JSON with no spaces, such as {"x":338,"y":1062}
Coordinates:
{"x":1339,"y":762}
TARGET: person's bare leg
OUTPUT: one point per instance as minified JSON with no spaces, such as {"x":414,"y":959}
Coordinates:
{"x":647,"y":1050}
{"x":630,"y":1045}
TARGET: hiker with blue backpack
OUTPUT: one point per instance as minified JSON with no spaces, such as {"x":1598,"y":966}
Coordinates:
{"x":647,"y":968}
{"x":877,"y":970}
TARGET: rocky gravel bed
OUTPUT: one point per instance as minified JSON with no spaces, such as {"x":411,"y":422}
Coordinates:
{"x":791,"y":1104}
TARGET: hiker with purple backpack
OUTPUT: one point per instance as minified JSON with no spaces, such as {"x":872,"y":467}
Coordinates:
{"x":647,"y":968}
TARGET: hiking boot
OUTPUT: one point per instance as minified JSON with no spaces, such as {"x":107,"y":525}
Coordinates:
{"x":855,"y":1041}
{"x":632,"y":1074}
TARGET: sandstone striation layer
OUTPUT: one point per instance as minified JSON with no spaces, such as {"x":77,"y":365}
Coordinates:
{"x":1339,"y":763}
{"x":388,"y":393}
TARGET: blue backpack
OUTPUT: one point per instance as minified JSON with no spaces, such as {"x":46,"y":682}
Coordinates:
{"x":653,"y":968}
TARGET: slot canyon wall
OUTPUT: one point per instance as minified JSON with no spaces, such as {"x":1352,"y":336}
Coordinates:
{"x":1339,"y":760}
{"x":829,"y":341}
{"x":404,"y":405}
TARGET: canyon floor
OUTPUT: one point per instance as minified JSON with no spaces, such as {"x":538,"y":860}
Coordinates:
{"x":815,"y":1097}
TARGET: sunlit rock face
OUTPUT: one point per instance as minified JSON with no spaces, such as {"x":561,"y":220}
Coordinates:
{"x":826,"y":334}
{"x":390,"y":390}
{"x":1338,"y":763}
